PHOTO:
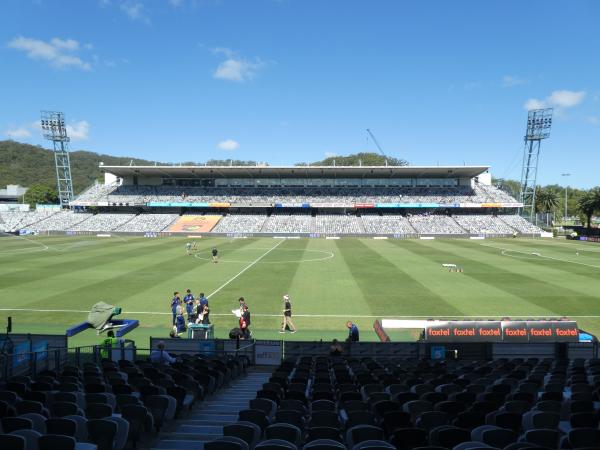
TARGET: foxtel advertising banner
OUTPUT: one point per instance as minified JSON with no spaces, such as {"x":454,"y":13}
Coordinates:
{"x":507,"y":331}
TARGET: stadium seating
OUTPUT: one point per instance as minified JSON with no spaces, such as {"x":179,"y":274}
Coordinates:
{"x":278,"y":222}
{"x":240,"y":223}
{"x":435,"y":224}
{"x":148,"y":223}
{"x":289,"y":223}
{"x":264,"y":196}
{"x":366,"y":403}
{"x":387,"y":224}
{"x":102,"y":222}
{"x":84,"y":408}
{"x":483,"y":224}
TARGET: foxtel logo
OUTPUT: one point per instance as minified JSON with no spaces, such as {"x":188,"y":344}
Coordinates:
{"x":439,"y":332}
{"x":566,"y":332}
{"x":515,"y":332}
{"x":489,"y":331}
{"x":540,"y":332}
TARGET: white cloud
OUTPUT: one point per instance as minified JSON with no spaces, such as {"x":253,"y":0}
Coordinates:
{"x":17,"y":133}
{"x":135,"y":10}
{"x":534,"y":103}
{"x":566,"y":99}
{"x":235,"y":68}
{"x":238,"y":70}
{"x":512,"y":80}
{"x":557,"y":99}
{"x":228,"y":145}
{"x":175,"y":3}
{"x":330,"y":155}
{"x":78,"y":131}
{"x":227,"y":52}
{"x":58,"y":53}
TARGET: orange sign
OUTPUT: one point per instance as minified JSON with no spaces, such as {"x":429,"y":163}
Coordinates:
{"x":194,"y":224}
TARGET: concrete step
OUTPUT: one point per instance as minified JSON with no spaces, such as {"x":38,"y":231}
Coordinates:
{"x":166,"y":444}
{"x":199,"y":429}
{"x":202,"y":415}
{"x":174,"y":436}
{"x":220,"y":421}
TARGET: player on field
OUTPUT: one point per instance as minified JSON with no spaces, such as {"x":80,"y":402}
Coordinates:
{"x":215,"y":255}
{"x":188,"y":248}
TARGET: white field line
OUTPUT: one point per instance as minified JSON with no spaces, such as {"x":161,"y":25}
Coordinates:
{"x":249,"y":266}
{"x":152,"y":313}
{"x":540,"y":256}
{"x":39,"y":247}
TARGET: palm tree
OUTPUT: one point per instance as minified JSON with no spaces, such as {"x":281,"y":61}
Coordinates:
{"x":588,"y":203}
{"x":546,"y":200}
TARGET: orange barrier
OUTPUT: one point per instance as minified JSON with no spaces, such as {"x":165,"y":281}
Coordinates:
{"x":194,"y":224}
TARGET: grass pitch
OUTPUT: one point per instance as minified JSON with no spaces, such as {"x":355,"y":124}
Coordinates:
{"x":50,"y":283}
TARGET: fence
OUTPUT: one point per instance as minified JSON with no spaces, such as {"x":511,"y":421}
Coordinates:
{"x":271,"y":353}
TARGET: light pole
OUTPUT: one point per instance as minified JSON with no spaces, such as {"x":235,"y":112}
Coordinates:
{"x":566,"y":193}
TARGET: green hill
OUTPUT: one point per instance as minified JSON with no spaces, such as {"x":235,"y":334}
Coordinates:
{"x":26,"y":164}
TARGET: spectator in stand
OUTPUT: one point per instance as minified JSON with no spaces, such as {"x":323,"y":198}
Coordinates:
{"x":336,"y":349}
{"x":160,"y":355}
{"x":175,"y":302}
{"x":353,"y":333}
{"x":108,"y":344}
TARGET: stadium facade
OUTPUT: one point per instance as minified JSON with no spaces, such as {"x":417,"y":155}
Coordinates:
{"x":400,"y":201}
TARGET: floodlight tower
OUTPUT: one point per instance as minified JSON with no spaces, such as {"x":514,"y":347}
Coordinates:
{"x":54,"y":129}
{"x":539,"y":122}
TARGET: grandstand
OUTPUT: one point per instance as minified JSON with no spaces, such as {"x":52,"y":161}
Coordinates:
{"x":402,"y":201}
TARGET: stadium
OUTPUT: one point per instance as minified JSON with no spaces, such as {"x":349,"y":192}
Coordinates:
{"x":161,"y":288}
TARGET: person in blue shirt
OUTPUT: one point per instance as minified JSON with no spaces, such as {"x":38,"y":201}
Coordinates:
{"x":175,"y":302}
{"x":189,"y":306}
{"x":353,"y":334}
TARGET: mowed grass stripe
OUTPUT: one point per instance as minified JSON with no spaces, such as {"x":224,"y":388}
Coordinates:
{"x":554,"y":271}
{"x":387,"y":288}
{"x":81,"y":259}
{"x":537,"y":288}
{"x":327,"y":288}
{"x":263,"y":285}
{"x":120,"y":282}
{"x":578,"y":262}
{"x":468,"y":296}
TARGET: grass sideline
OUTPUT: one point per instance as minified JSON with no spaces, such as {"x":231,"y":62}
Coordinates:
{"x":49,"y":283}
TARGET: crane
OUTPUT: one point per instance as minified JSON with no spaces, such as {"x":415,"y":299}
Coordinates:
{"x":378,"y":146}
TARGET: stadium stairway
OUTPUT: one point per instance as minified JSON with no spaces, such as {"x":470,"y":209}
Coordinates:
{"x":205,"y":422}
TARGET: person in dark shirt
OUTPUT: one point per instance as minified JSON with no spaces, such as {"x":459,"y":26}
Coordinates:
{"x":205,"y":314}
{"x":189,"y":306}
{"x":245,"y":319}
{"x":215,"y":255}
{"x":353,"y":333}
{"x":175,"y":302}
{"x":287,"y":315}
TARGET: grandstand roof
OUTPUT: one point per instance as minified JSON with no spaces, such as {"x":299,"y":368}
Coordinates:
{"x":297,"y":171}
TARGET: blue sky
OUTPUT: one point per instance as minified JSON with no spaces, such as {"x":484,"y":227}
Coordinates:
{"x":285,"y":81}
